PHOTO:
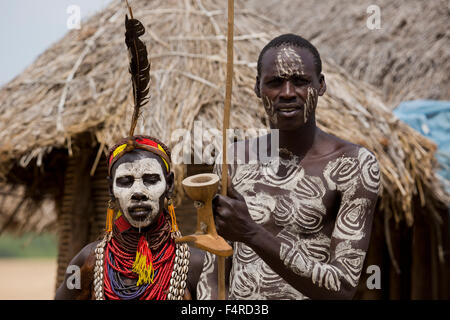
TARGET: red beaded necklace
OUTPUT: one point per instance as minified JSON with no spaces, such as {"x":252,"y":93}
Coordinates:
{"x":120,"y":256}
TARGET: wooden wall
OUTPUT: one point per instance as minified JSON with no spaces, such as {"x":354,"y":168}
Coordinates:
{"x":82,"y":213}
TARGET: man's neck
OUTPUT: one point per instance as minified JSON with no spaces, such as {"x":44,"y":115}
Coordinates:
{"x":299,"y":141}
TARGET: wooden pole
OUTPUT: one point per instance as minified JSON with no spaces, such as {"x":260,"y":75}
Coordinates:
{"x":129,"y":10}
{"x":228,"y":90}
{"x":226,"y":124}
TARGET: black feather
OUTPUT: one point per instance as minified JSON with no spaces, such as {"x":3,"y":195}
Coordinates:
{"x":139,"y":67}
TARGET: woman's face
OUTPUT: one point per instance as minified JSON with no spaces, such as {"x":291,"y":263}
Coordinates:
{"x":139,"y":186}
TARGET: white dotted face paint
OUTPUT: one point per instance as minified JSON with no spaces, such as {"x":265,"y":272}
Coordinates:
{"x":310,"y":104}
{"x":288,"y":63}
{"x":268,"y":105}
{"x":138,"y":186}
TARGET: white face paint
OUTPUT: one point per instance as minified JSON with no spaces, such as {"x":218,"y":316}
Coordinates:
{"x":268,"y":105}
{"x":311,"y":101}
{"x":138,"y":186}
{"x":288,"y":63}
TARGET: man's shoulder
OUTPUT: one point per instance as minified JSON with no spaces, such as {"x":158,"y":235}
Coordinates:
{"x":336,"y":147}
{"x":351,"y":163}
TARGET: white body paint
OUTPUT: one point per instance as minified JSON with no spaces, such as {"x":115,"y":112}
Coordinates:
{"x":370,"y":171}
{"x":203,"y":289}
{"x":138,"y":169}
{"x":352,"y":260}
{"x":297,"y":207}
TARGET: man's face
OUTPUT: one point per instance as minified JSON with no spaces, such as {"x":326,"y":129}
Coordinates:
{"x":139,"y":186}
{"x":289,"y":86}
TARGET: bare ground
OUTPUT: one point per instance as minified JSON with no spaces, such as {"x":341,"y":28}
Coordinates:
{"x":25,"y":279}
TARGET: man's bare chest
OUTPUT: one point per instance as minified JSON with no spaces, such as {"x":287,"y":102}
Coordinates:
{"x":290,"y":199}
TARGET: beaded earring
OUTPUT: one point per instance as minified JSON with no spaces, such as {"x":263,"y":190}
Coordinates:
{"x":172,"y":215}
{"x":109,"y":216}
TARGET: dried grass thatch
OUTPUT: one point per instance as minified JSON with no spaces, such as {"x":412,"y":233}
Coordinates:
{"x":82,"y":84}
{"x":408,"y":58}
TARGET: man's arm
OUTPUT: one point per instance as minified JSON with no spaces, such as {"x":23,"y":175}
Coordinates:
{"x":85,"y":261}
{"x":336,"y":279}
{"x":195,"y":269}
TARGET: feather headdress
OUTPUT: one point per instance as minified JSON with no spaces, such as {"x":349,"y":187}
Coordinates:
{"x":139,"y":68}
{"x":139,"y":65}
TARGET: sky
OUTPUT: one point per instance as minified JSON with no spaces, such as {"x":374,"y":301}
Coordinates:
{"x":29,"y":27}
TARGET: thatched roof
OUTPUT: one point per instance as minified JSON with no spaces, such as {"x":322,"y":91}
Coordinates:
{"x":408,"y":58}
{"x":81,"y":83}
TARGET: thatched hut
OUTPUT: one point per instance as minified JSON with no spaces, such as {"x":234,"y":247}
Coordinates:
{"x":407,"y":58}
{"x":59,"y":116}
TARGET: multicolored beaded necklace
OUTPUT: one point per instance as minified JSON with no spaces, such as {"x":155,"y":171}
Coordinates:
{"x":156,"y":265}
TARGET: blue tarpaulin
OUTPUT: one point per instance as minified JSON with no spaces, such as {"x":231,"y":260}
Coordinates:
{"x":432,"y":119}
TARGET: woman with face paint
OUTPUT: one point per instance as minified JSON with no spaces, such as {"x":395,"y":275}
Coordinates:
{"x":137,"y":258}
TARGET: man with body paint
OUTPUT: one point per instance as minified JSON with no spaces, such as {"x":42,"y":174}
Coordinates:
{"x":299,"y":223}
{"x":140,"y":181}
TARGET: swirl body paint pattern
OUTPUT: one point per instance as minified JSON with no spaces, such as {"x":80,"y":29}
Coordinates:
{"x":315,"y":244}
{"x":370,"y":171}
{"x":203,"y":289}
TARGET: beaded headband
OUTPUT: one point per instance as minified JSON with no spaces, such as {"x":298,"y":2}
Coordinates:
{"x":139,"y":143}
